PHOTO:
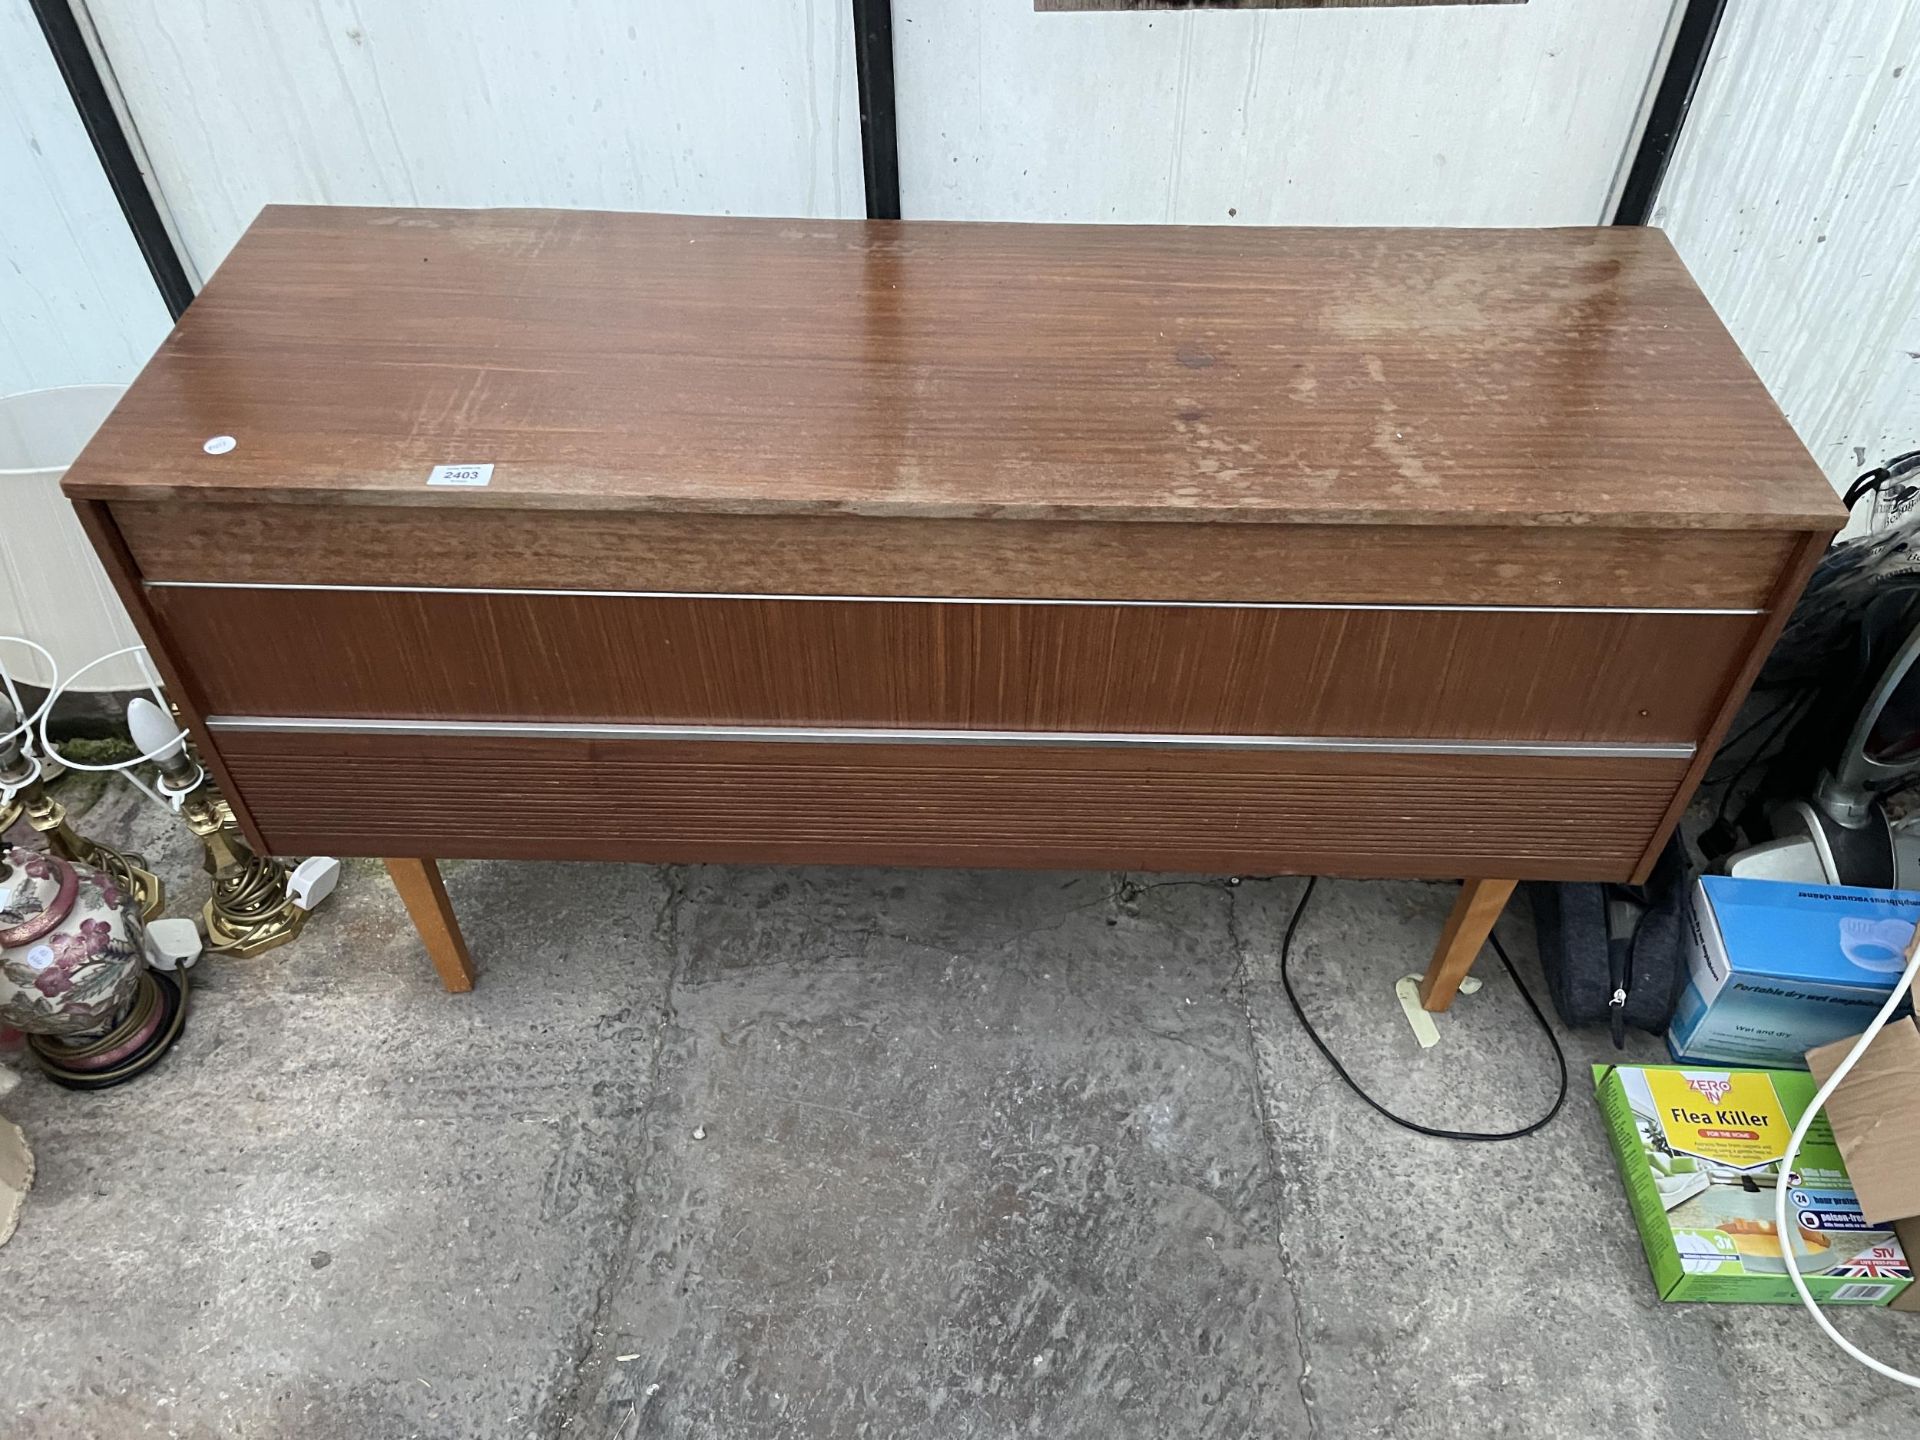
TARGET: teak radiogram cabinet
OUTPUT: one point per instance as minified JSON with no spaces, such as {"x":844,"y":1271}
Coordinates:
{"x":1374,"y":552}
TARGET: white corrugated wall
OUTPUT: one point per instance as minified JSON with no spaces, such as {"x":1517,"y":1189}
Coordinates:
{"x":77,"y":306}
{"x":1795,"y":197}
{"x":747,"y":107}
{"x":1477,"y":115}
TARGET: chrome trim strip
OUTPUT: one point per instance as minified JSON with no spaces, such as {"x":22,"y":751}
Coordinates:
{"x":824,"y":735}
{"x":940,"y":599}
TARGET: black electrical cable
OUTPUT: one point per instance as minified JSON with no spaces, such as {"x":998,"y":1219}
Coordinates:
{"x":1787,"y":716}
{"x":1437,"y":1132}
{"x":1734,"y":741}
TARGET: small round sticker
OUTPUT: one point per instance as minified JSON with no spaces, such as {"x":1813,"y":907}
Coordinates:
{"x":219,"y":444}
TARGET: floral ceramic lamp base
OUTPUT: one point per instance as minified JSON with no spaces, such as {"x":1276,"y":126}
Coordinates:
{"x":73,"y":976}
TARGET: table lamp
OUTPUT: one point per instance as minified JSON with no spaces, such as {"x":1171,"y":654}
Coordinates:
{"x":22,"y":793}
{"x":255,"y":904}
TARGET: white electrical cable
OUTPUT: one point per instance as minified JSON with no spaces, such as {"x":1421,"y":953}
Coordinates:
{"x":124,"y":768}
{"x":1781,"y":1188}
{"x":25,"y":728}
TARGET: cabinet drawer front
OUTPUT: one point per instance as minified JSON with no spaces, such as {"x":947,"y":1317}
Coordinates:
{"x":1463,"y":673}
{"x":1038,"y":806}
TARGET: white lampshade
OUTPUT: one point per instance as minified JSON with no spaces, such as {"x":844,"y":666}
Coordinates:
{"x":52,"y":589}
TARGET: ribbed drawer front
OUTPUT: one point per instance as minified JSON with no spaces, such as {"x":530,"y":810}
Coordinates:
{"x":1040,"y":805}
{"x":1504,"y":674}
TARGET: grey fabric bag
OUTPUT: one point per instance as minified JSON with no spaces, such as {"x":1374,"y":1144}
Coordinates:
{"x":1612,"y":954}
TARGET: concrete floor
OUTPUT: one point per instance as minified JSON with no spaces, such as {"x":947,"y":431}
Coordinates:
{"x":740,"y":1153}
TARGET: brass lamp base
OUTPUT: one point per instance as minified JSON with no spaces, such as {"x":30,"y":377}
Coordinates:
{"x":148,"y":889}
{"x":250,"y":910}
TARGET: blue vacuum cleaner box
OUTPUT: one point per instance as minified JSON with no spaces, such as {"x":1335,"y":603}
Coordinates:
{"x":1775,"y":969}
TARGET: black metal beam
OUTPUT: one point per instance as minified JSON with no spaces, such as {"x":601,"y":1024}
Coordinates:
{"x":879,"y":141}
{"x":90,"y":98}
{"x":1691,"y":46}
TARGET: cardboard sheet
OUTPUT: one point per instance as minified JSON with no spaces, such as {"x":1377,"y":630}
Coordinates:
{"x":1875,"y":1116}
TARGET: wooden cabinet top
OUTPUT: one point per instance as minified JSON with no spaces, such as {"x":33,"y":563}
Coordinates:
{"x":698,"y":364}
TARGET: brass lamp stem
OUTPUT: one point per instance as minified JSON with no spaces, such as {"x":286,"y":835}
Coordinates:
{"x":250,"y":910}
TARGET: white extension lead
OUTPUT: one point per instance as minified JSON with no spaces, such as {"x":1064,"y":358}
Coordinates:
{"x":1781,"y":1188}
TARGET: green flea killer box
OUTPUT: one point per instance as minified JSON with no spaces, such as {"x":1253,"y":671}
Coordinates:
{"x":1700,"y":1148}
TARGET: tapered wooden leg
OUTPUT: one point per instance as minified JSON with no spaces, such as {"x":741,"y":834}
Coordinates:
{"x":1467,"y":928}
{"x":419,"y":884}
